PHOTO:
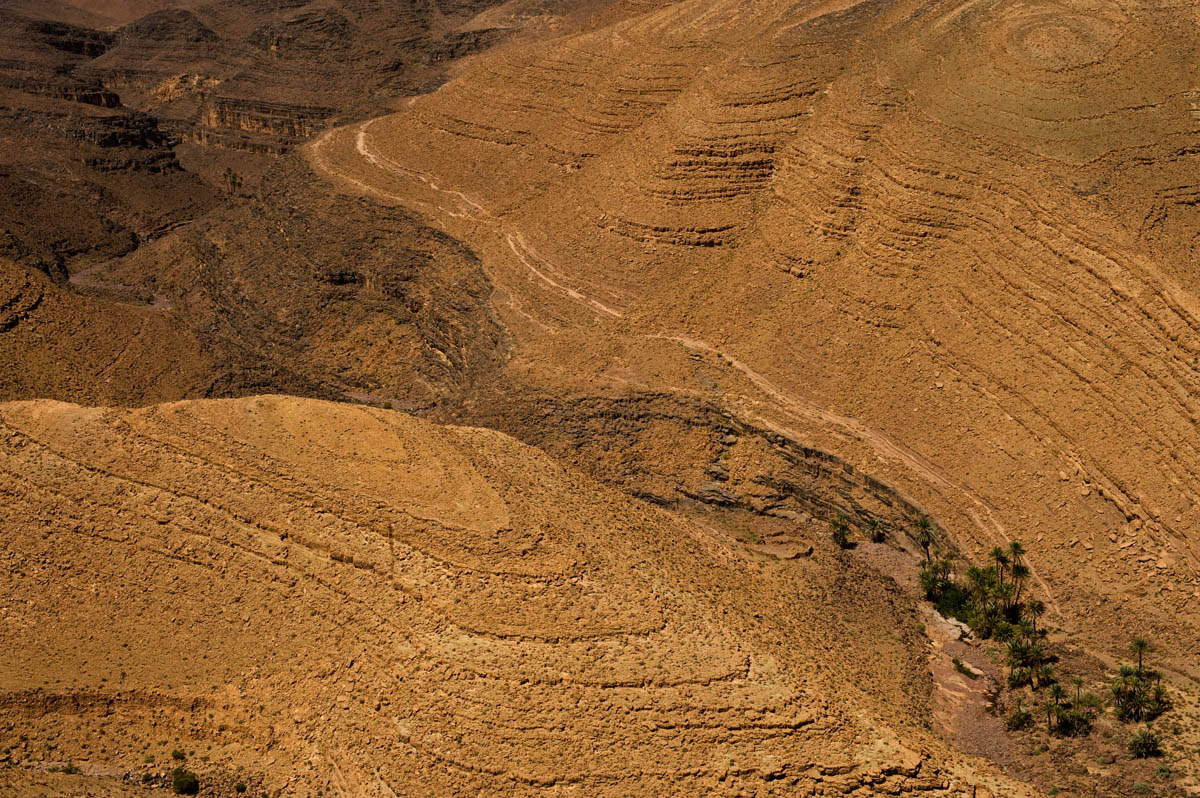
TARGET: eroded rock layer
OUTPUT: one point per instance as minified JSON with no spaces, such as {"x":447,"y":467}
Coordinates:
{"x":340,"y":598}
{"x":953,"y":244}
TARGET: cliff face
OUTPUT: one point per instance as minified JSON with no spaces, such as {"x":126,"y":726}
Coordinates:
{"x":126,"y":171}
{"x":287,"y":123}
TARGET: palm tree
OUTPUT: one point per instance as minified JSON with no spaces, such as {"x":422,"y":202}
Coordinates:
{"x":1139,"y":646}
{"x":979,"y":584}
{"x":1000,"y":557}
{"x":875,"y":530}
{"x":1051,"y":710}
{"x":1078,"y":682}
{"x":1018,"y":652}
{"x":1016,"y":552}
{"x":1035,"y":609}
{"x":924,"y":535}
{"x":1044,"y":675}
{"x":839,"y":527}
{"x":1057,"y":693}
{"x":1144,"y":743}
{"x":1004,"y":595}
{"x":1020,"y":572}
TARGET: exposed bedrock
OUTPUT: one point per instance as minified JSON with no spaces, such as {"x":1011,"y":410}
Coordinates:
{"x":675,"y":451}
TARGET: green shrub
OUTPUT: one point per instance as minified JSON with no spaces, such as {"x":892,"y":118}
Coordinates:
{"x":178,"y":755}
{"x":71,"y":767}
{"x":1074,"y":722}
{"x":1020,"y":718}
{"x":239,"y":787}
{"x":1144,"y":743}
{"x":184,"y":782}
{"x":1141,"y":788}
{"x":1163,"y":772}
{"x":875,"y":530}
{"x":839,"y":529}
{"x":1019,"y":677}
{"x":147,"y":778}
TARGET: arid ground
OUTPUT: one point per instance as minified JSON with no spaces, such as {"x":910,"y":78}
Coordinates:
{"x":457,"y":397}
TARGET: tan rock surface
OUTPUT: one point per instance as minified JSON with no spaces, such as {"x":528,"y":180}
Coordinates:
{"x":952,"y":244}
{"x":340,"y":598}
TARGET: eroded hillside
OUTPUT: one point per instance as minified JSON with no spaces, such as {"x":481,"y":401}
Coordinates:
{"x":733,"y":268}
{"x":320,"y":596}
{"x":952,"y":243}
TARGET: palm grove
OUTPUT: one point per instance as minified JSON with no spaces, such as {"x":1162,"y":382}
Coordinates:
{"x":994,"y":601}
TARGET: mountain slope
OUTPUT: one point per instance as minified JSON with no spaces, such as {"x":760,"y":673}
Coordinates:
{"x":320,"y":596}
{"x":953,"y":244}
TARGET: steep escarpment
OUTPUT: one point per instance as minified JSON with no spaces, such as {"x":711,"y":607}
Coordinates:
{"x":325,"y":597}
{"x":679,"y":452}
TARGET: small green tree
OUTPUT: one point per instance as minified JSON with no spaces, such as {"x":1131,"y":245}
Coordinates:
{"x":923,"y":534}
{"x":1020,"y":572}
{"x":839,"y":528}
{"x":1057,"y":693}
{"x":1135,"y":697}
{"x":875,"y":530}
{"x":233,"y":181}
{"x":1019,"y":718}
{"x":1034,"y":609}
{"x":1051,"y":709}
{"x":1138,"y":648}
{"x":1000,"y":559}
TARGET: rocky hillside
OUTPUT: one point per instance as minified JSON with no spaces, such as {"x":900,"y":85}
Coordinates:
{"x":290,"y":290}
{"x":952,"y":245}
{"x":308,"y":596}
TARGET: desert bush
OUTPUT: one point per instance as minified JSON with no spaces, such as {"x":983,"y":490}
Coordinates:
{"x":1074,"y":722}
{"x":1136,"y":697}
{"x":1019,"y":718}
{"x":963,"y":669}
{"x":184,"y":782}
{"x":875,"y":530}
